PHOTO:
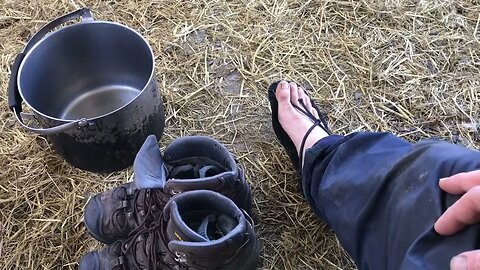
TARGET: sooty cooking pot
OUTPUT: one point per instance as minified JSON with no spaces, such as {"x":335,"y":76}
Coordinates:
{"x":91,"y":86}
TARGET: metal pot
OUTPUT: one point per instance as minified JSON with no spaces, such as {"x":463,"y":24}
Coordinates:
{"x":92,"y":88}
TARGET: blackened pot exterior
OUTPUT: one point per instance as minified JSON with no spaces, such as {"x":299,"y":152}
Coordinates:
{"x":111,"y":142}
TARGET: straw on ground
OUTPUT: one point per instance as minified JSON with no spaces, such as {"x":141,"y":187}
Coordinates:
{"x":408,"y":67}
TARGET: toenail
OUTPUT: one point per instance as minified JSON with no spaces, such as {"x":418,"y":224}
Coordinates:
{"x":284,"y":85}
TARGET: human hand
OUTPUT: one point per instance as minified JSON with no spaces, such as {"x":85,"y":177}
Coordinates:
{"x":464,"y":212}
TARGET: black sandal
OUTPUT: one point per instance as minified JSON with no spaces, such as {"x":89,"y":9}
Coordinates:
{"x":283,"y":137}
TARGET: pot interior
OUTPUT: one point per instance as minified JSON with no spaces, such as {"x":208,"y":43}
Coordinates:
{"x":85,"y":70}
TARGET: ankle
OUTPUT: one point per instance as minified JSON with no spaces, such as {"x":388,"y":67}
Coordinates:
{"x":311,"y":138}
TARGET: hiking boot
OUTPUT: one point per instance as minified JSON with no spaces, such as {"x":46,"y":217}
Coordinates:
{"x":200,"y":162}
{"x":206,"y":230}
{"x":191,"y":163}
{"x":198,"y":230}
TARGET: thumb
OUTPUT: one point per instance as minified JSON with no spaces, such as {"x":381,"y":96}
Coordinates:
{"x":466,"y":261}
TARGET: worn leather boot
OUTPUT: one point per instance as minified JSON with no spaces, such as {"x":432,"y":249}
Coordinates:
{"x":200,"y":162}
{"x":198,"y":230}
{"x":206,"y":230}
{"x":189,"y":163}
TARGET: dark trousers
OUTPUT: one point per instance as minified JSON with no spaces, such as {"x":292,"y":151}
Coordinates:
{"x":380,"y":195}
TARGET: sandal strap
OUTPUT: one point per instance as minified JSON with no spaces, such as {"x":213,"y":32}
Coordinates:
{"x":321,"y":122}
{"x":302,"y":146}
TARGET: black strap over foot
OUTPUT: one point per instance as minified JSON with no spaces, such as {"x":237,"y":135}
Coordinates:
{"x":320,"y":122}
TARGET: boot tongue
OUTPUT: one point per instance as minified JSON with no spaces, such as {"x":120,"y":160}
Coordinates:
{"x":149,"y":168}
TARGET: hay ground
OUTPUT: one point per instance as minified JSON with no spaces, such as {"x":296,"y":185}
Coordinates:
{"x":408,"y":67}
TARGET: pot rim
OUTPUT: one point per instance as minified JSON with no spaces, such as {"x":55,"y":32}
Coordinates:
{"x":20,"y":70}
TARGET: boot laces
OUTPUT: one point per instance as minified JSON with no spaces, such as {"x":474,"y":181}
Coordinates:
{"x":152,"y":239}
{"x":155,"y":246}
{"x":153,"y":200}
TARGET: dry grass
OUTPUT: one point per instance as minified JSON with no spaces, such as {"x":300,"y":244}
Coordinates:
{"x":409,"y":67}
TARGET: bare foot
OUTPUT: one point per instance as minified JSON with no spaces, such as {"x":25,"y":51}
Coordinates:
{"x":294,"y":122}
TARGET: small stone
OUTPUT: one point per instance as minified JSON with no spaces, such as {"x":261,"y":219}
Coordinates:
{"x":357,"y":97}
{"x":470,"y":126}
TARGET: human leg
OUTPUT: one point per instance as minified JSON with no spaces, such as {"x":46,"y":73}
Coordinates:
{"x":380,"y":193}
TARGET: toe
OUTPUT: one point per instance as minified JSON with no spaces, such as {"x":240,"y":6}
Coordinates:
{"x":305,"y":98}
{"x":301,"y":93}
{"x":283,"y":92}
{"x":294,"y":93}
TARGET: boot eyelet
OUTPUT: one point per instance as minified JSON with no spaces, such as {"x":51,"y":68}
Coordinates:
{"x":123,"y":204}
{"x":175,"y":192}
{"x":181,"y":257}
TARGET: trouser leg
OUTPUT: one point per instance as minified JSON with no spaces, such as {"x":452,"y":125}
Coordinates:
{"x":380,"y":195}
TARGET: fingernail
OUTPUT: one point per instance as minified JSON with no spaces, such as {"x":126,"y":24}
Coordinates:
{"x":284,"y":85}
{"x":458,"y":263}
{"x":445,"y":178}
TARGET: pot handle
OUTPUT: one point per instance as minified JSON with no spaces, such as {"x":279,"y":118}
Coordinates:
{"x":15,"y":99}
{"x":83,"y":13}
{"x":53,"y":130}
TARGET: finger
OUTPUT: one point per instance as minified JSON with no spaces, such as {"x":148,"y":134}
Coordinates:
{"x":460,"y":183}
{"x":294,"y":93}
{"x":463,"y":212}
{"x":466,"y":261}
